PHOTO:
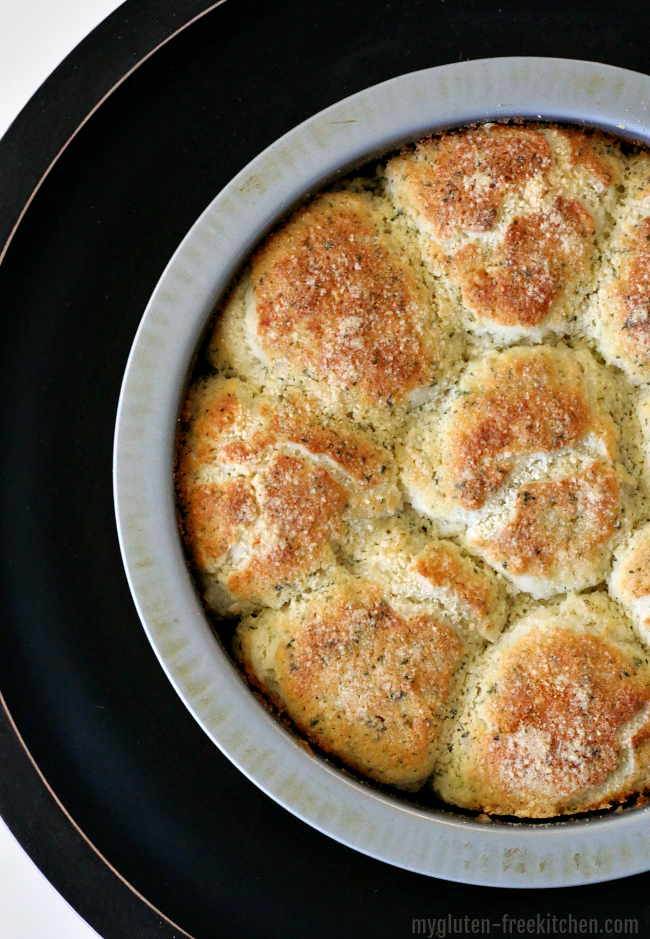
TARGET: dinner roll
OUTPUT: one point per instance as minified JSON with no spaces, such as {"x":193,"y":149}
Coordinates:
{"x":267,"y":487}
{"x":334,"y":307}
{"x":366,"y":679}
{"x":509,"y":217}
{"x":553,"y":718}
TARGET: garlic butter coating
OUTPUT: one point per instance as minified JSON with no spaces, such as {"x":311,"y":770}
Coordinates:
{"x":414,"y":462}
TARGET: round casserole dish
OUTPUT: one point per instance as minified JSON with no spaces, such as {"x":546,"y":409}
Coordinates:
{"x":441,"y":844}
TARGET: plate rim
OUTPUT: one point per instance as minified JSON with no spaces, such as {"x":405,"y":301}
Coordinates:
{"x":328,"y":144}
{"x":29,"y":149}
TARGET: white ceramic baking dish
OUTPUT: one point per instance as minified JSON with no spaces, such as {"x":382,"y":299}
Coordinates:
{"x":374,"y":121}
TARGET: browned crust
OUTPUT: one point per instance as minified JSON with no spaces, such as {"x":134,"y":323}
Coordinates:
{"x":353,"y":452}
{"x":530,"y":401}
{"x":558,"y":526}
{"x":446,"y":179}
{"x":287,"y":513}
{"x":442,"y":564}
{"x":333,"y":297}
{"x":540,"y":255}
{"x":300,"y":516}
{"x":287,"y":520}
{"x":455,"y":185}
{"x":369,"y":684}
{"x":642,"y":737}
{"x":585,"y":152}
{"x":214,"y":517}
{"x":211,"y":410}
{"x":577,"y":692}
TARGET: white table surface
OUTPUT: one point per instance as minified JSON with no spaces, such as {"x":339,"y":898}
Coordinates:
{"x":34,"y":36}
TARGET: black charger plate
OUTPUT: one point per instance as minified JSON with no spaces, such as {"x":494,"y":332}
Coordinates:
{"x":84,"y":693}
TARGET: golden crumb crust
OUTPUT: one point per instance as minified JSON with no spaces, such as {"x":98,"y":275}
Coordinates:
{"x":267,"y":487}
{"x":627,"y":301}
{"x":556,"y":526}
{"x":408,"y":562}
{"x":360,"y":678}
{"x":553,"y":717}
{"x":517,"y":283}
{"x":459,"y":181}
{"x":414,"y":461}
{"x":331,"y":296}
{"x":633,"y":568}
{"x":522,"y":456}
{"x":517,"y":403}
{"x":442,"y":565}
{"x":507,"y":217}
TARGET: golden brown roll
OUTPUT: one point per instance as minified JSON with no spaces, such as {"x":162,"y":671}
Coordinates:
{"x":509,"y":218}
{"x":554,"y":718}
{"x":266,"y":489}
{"x":365,"y":679}
{"x":334,"y":306}
{"x":522,"y":461}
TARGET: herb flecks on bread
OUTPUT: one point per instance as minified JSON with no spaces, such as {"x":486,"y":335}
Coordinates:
{"x":417,"y":467}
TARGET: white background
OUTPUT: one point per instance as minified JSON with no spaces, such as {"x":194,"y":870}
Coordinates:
{"x":34,"y":36}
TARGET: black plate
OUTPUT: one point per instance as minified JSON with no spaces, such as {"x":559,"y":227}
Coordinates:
{"x":103,"y":724}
